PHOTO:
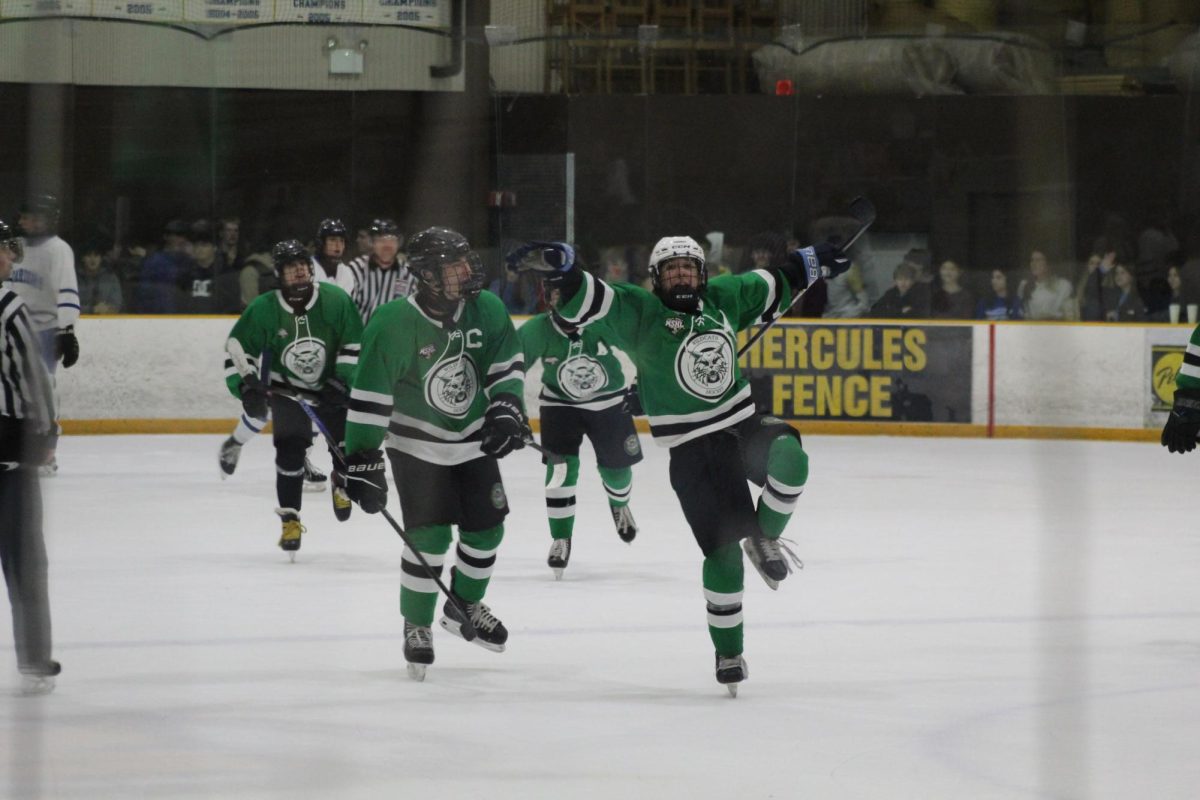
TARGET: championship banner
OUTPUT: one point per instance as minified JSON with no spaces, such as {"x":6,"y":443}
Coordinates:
{"x":13,"y":9}
{"x":229,"y":12}
{"x":415,"y":13}
{"x":877,"y":373}
{"x":423,"y":13}
{"x":144,"y":10}
{"x":318,"y":11}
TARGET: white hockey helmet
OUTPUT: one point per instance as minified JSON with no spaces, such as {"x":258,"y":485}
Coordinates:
{"x":670,"y":247}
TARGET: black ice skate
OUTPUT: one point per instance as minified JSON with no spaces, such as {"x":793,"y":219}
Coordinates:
{"x":490,"y":631}
{"x":341,"y":501}
{"x":40,"y":679}
{"x":731,"y":670}
{"x":314,"y":479}
{"x":418,"y":649}
{"x":770,"y":557}
{"x":228,"y":457}
{"x":560,"y":554}
{"x":289,"y":539}
{"x":623,"y":519}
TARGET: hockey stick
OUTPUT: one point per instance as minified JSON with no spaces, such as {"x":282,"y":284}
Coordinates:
{"x":558,"y":464}
{"x":862,"y":210}
{"x":467,"y":628}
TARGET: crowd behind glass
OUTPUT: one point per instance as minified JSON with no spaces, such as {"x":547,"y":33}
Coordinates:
{"x":1147,"y":275}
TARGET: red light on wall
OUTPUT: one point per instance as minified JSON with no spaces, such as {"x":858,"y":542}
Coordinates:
{"x":784,"y":88}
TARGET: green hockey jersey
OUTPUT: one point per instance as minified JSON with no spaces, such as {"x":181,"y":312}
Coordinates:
{"x":579,"y":370}
{"x":305,"y":348}
{"x":688,"y":375}
{"x":426,"y":386}
{"x":1188,"y":376}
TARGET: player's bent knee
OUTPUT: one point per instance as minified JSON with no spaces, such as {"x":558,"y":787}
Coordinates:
{"x":787,"y":457}
{"x":434,"y":539}
{"x":483,"y":540}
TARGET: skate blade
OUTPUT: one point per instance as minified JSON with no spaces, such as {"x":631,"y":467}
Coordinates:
{"x":558,"y":571}
{"x":450,"y":626}
{"x":732,"y":689}
{"x":314,"y":487}
{"x":417,"y":672}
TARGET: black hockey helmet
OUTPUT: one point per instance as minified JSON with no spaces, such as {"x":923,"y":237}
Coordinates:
{"x":45,"y":206}
{"x":383,"y":226}
{"x":291,"y":251}
{"x":331,"y":227}
{"x":11,"y":241}
{"x":428,"y":253}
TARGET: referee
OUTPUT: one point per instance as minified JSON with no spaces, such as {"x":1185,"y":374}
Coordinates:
{"x":380,"y":276}
{"x":26,"y":420}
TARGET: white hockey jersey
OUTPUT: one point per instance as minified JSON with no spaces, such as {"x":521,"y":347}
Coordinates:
{"x":343,"y":280}
{"x":45,"y":280}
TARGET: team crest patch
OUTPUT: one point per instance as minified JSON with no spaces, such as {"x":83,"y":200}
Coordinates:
{"x":305,"y":358}
{"x":581,"y":377}
{"x":631,"y":444}
{"x":674,"y":324}
{"x":704,"y":365}
{"x":498,"y":498}
{"x":282,"y":334}
{"x":451,"y":386}
{"x":551,"y":359}
{"x":426,"y":351}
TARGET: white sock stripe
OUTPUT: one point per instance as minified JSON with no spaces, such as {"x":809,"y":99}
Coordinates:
{"x":474,"y":552}
{"x":424,"y":585}
{"x":619,"y":494}
{"x":560,"y":491}
{"x":561,"y":513}
{"x":478,"y":573}
{"x":723,"y":598}
{"x":782,"y":488}
{"x":771,"y":501}
{"x":723,"y":621}
{"x":289,"y":473}
{"x":435,"y":561}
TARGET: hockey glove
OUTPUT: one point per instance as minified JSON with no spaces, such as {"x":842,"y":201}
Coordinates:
{"x":366,"y":480}
{"x":504,"y":426}
{"x":254,"y":397}
{"x":632,"y":403}
{"x":1183,"y":424}
{"x":553,"y":261}
{"x":334,"y":395}
{"x":66,"y":346}
{"x":809,"y":264}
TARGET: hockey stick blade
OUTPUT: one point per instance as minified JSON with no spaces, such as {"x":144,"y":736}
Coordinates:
{"x":558,"y":464}
{"x":467,"y":628}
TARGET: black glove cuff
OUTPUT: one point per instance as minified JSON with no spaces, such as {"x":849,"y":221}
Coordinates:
{"x":1188,"y":399}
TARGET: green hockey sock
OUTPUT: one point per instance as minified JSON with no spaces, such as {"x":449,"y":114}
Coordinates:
{"x":787,"y":471}
{"x":618,"y":482}
{"x":473,"y":562}
{"x":418,"y":591}
{"x":723,"y":583}
{"x":560,"y":501}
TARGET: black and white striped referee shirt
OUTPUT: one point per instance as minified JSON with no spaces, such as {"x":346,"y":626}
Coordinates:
{"x":25,"y":391}
{"x":374,"y":286}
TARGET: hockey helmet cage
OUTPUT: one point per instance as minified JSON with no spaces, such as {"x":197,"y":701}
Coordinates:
{"x":433,"y":248}
{"x":10,"y":240}
{"x":670,"y":247}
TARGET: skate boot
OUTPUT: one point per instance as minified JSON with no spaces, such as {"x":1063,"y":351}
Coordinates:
{"x":50,"y":468}
{"x":490,"y":632}
{"x":731,"y":670}
{"x":289,"y":540}
{"x":39,"y":680}
{"x":314,"y":479}
{"x":341,"y":501}
{"x":560,"y":554}
{"x":623,"y":519}
{"x":418,"y":649}
{"x":770,"y":557}
{"x":228,"y":457}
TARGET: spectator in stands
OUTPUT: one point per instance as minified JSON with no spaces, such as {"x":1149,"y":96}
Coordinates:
{"x":255,"y":277}
{"x":1157,"y":249}
{"x":1001,"y":303}
{"x":230,"y":251}
{"x":1097,"y":292}
{"x":207,"y":285}
{"x":1044,"y":295}
{"x":99,"y":286}
{"x":158,"y":286}
{"x":1116,"y":238}
{"x":1180,"y":295}
{"x":847,"y":295}
{"x":764,"y":250}
{"x":362,"y":242}
{"x":952,"y":300}
{"x":907,"y":299}
{"x":1129,"y":306}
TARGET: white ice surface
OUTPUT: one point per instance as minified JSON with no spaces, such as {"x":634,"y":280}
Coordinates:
{"x":976,"y":619}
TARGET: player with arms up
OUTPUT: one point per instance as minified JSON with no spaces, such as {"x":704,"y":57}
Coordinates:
{"x":442,"y":380}
{"x":309,"y":332}
{"x":683,"y":340}
{"x":583,"y":393}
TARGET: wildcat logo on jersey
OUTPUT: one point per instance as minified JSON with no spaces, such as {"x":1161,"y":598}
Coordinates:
{"x":674,"y":324}
{"x":451,"y":386}
{"x":426,"y":351}
{"x":704,"y":365}
{"x":305,"y":358}
{"x":581,"y":377}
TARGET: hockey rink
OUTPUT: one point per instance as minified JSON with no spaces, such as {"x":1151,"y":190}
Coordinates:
{"x":975,"y":619}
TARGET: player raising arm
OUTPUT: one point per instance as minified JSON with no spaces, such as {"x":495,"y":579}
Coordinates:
{"x":440,"y":384}
{"x":683,"y":340}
